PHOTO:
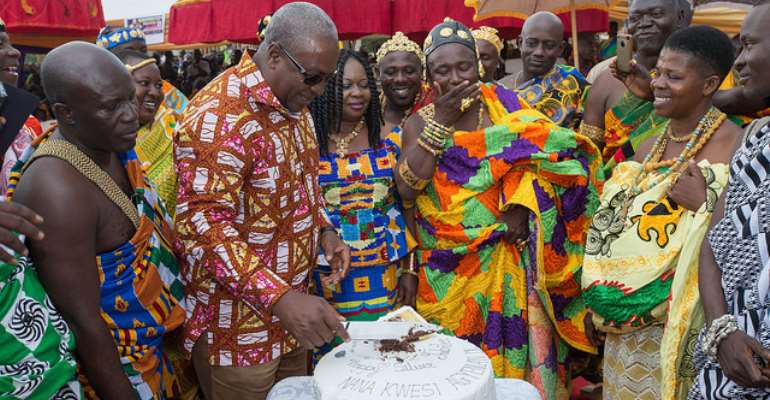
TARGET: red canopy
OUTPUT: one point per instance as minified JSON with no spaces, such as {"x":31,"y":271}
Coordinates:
{"x":209,"y":21}
{"x":45,"y":23}
{"x":417,"y":17}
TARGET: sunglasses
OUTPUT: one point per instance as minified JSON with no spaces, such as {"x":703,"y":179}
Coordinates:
{"x":309,"y":80}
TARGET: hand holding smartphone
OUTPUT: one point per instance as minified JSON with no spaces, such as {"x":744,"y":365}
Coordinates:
{"x":625,"y":52}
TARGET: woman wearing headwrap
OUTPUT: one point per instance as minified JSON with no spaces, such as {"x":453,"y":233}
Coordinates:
{"x":490,"y":46}
{"x":503,"y":197}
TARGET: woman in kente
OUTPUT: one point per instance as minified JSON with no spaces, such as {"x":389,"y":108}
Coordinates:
{"x":356,"y":176}
{"x":154,"y":144}
{"x":503,"y":200}
{"x":640,"y":273}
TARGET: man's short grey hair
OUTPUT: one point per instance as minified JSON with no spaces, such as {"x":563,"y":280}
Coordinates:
{"x":297,"y":22}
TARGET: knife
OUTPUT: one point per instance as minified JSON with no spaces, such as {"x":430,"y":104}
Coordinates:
{"x":378,"y":330}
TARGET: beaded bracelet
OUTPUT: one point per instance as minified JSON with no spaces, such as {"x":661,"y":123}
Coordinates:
{"x":434,"y":134}
{"x":719,"y":329}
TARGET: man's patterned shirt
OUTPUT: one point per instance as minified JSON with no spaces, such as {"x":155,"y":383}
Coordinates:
{"x":249,"y":212}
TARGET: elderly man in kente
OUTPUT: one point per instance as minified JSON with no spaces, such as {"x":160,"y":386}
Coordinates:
{"x":29,"y":129}
{"x":106,"y":233}
{"x":400,"y":70}
{"x":490,"y":47}
{"x":733,"y":350}
{"x":250,"y":212}
{"x":154,"y":146}
{"x":503,"y":198}
{"x":357,"y":180}
{"x":617,"y":119}
{"x":640,"y":271}
{"x":555,"y":90}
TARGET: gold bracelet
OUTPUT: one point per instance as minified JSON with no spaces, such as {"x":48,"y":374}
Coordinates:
{"x":410,"y":178}
{"x":594,"y":133}
{"x":409,"y":272}
{"x":440,"y":127}
{"x":407,"y":204}
{"x":434,"y":151}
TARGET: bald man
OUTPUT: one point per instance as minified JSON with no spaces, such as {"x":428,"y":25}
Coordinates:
{"x":553,"y":89}
{"x":616,"y":118}
{"x":105,"y":259}
{"x":250,"y":216}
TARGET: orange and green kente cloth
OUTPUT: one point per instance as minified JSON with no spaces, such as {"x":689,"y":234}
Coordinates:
{"x":524,"y":309}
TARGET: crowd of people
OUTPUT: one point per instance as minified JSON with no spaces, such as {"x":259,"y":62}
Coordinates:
{"x":207,"y":234}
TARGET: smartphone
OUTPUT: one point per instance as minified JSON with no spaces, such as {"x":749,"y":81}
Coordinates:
{"x":625,"y":52}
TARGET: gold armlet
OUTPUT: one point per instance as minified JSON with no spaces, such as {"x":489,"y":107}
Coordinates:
{"x":410,"y":178}
{"x":594,"y":133}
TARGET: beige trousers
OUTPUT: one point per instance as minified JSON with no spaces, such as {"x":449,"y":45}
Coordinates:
{"x":231,"y":383}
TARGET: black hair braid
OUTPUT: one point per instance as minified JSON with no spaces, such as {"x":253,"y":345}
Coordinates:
{"x":326,"y":109}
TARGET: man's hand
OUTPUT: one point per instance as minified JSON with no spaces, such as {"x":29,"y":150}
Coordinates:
{"x":736,"y":357}
{"x":595,"y":336}
{"x":516,"y":220}
{"x":637,"y":80}
{"x":17,"y":218}
{"x":407,"y":290}
{"x":689,"y":191}
{"x":337,"y":254}
{"x":310,"y":319}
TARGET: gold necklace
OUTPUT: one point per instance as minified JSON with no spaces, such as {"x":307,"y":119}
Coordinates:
{"x":341,"y":142}
{"x":678,"y":139}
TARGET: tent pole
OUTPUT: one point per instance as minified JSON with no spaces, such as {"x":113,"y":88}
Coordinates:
{"x":573,"y":24}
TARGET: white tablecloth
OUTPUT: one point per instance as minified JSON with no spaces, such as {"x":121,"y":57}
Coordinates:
{"x":301,"y":388}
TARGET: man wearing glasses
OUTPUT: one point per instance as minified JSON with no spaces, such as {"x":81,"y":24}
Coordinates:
{"x":250,"y":217}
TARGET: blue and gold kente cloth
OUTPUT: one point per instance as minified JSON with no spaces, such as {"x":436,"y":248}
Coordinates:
{"x":141,"y":291}
{"x":363,"y":205}
{"x":558,"y":95}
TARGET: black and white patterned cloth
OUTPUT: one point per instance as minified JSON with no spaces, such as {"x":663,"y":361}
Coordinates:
{"x":740,"y":243}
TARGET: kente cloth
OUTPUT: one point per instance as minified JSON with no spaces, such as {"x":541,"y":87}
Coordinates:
{"x":558,"y":95}
{"x":363,"y":205}
{"x":730,"y":82}
{"x":523,"y":309}
{"x":608,"y":48}
{"x":627,"y":125}
{"x":632,"y":365}
{"x":28,"y":133}
{"x":740,"y":242}
{"x":249,"y":215}
{"x":37,"y":360}
{"x":141,"y":291}
{"x":365,"y":294}
{"x":641,"y":266}
{"x":362,"y":202}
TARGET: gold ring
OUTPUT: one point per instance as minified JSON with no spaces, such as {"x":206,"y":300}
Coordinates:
{"x":465,"y":104}
{"x":521,"y":245}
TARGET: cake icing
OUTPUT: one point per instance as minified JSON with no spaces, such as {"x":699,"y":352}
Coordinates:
{"x":441,"y":367}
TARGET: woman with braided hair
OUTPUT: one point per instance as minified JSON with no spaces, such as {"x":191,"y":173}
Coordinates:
{"x":356,"y":176}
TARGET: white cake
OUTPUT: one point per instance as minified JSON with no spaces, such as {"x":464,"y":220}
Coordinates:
{"x":441,"y":367}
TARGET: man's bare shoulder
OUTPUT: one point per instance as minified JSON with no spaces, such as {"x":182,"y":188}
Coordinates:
{"x":57,"y":190}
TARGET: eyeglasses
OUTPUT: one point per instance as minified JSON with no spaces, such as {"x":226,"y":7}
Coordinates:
{"x":309,"y":80}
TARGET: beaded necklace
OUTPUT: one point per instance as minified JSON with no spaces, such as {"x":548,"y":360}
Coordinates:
{"x":706,"y":128}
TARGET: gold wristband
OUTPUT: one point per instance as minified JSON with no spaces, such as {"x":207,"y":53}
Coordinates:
{"x":594,"y":133}
{"x":434,"y":151}
{"x":410,"y":178}
{"x":409,"y":272}
{"x":407,"y":204}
